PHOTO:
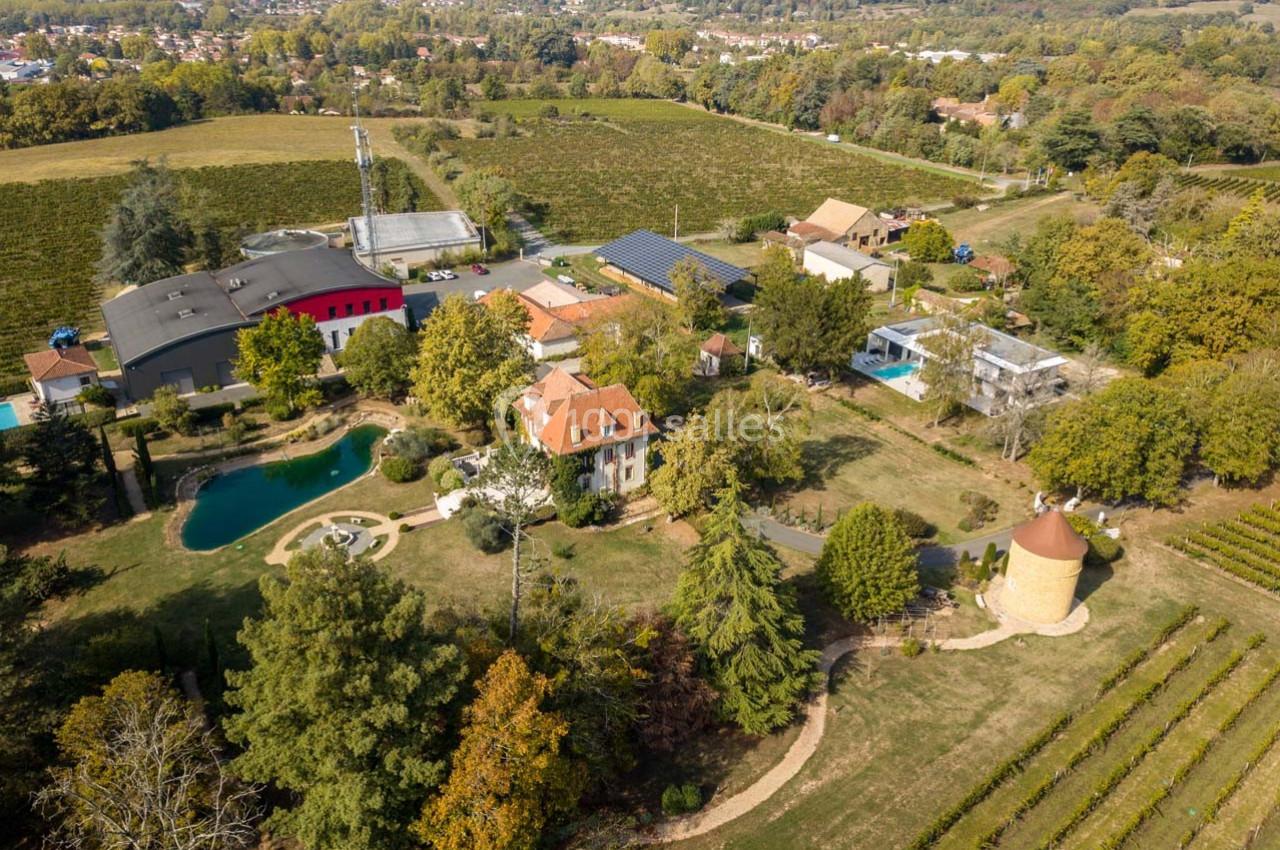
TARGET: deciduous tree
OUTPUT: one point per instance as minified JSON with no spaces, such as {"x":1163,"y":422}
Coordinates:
{"x":517,"y":477}
{"x":466,"y":357}
{"x":143,"y":771}
{"x":281,"y":356}
{"x":697,"y":296}
{"x":732,"y":604}
{"x":928,"y":242}
{"x":694,"y":466}
{"x":345,"y":702}
{"x":948,"y":370}
{"x":509,"y":778}
{"x":868,"y":564}
{"x":379,"y":357}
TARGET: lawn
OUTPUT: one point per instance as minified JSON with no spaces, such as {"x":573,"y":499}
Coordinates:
{"x":987,"y":230}
{"x":632,"y":162}
{"x":234,"y":140}
{"x":853,"y":460}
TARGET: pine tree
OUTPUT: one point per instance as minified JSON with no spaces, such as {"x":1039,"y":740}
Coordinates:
{"x":868,"y":564}
{"x":346,"y":702}
{"x":509,"y":778}
{"x":732,"y":604}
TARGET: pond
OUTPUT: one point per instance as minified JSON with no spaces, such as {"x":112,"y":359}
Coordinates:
{"x":230,"y":506}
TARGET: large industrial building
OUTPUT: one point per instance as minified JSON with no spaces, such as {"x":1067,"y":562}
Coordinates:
{"x":181,"y":330}
{"x":407,"y":241}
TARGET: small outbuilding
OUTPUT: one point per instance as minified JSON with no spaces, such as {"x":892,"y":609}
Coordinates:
{"x":715,"y":354}
{"x":58,"y":375}
{"x":836,"y":262}
{"x":1045,"y":560}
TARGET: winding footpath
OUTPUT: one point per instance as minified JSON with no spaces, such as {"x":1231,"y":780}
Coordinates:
{"x":815,"y":717}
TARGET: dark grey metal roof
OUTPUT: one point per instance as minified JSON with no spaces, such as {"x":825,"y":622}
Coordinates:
{"x":650,"y":257}
{"x":149,"y":318}
{"x":278,"y":279}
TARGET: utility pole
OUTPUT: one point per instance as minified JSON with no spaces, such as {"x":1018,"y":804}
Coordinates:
{"x":893,"y":293}
{"x":364,"y":161}
{"x":675,"y":234}
{"x":746,"y":361}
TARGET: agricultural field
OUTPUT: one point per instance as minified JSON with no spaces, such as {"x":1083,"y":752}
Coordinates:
{"x":49,"y":248}
{"x":619,"y":165}
{"x":1231,"y":183}
{"x":1247,"y":547}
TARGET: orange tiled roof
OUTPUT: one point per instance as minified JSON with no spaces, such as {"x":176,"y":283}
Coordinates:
{"x":578,"y":413}
{"x":552,"y":323}
{"x":719,"y":345}
{"x":60,"y":362}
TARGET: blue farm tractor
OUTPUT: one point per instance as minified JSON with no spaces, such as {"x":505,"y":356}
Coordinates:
{"x":962,"y":254}
{"x":64,"y":337}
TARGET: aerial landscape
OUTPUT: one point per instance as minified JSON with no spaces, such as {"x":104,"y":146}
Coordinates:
{"x":587,"y":425}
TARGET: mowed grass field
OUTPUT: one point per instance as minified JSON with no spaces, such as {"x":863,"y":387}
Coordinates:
{"x":233,"y":140}
{"x":632,"y":162}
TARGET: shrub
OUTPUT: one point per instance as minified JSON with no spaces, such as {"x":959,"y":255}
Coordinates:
{"x":989,"y":555}
{"x":587,"y":509}
{"x":916,"y":526}
{"x":912,"y":647}
{"x":280,"y":411}
{"x":172,"y":410}
{"x":418,"y":445}
{"x":982,"y":509}
{"x":484,"y":530}
{"x":143,"y":425}
{"x":438,"y":467}
{"x":451,"y":481}
{"x":964,"y":202}
{"x":399,"y":469}
{"x":394,"y":515}
{"x":405,"y":528}
{"x":680,"y":799}
{"x":1103,"y":550}
{"x":563,"y":551}
{"x":967,"y":280}
{"x":97,"y":395}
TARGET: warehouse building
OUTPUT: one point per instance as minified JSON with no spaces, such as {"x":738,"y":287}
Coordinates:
{"x":645,"y":259}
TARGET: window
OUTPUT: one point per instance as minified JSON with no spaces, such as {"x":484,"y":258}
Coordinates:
{"x":333,"y":312}
{"x":608,"y":454}
{"x":368,"y":306}
{"x":626,"y":474}
{"x":333,"y":340}
{"x":382,"y":305}
{"x":629,"y":450}
{"x":351,"y":309}
{"x":85,"y":380}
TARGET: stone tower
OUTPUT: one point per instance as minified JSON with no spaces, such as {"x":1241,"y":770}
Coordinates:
{"x":1045,"y":560}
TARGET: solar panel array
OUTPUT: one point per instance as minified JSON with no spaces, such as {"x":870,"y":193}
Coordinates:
{"x":650,"y":257}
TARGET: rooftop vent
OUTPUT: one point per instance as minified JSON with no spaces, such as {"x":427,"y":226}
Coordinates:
{"x":175,"y":295}
{"x":186,"y":313}
{"x":235,"y":283}
{"x":272,"y":295}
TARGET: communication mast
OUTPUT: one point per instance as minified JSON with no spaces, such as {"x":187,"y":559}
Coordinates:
{"x":364,"y":161}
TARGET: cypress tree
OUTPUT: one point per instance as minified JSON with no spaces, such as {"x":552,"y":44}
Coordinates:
{"x":109,"y":463}
{"x":732,"y":604}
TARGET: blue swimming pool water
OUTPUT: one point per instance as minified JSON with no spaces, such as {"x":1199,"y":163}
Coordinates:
{"x":8,"y":416}
{"x":233,"y":505}
{"x":895,"y":370}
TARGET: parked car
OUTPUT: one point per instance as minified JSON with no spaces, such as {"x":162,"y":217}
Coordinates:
{"x":446,"y":274}
{"x":435,"y":276}
{"x":479,"y":269}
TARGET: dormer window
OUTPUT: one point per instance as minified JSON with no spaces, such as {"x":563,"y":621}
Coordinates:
{"x":186,"y":314}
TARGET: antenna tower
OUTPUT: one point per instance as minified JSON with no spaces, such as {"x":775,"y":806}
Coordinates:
{"x":364,"y":161}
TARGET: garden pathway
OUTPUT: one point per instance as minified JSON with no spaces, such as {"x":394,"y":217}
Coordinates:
{"x":815,"y":717}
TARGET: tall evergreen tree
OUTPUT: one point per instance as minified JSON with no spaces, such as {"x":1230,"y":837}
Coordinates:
{"x":868,"y":563}
{"x":109,"y":464}
{"x":346,"y":702}
{"x":146,"y":237}
{"x":732,"y":604}
{"x":62,"y":456}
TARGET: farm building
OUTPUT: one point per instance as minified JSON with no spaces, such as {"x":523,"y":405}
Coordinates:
{"x":1045,"y":560}
{"x":181,"y":330}
{"x":843,"y":223}
{"x":557,"y":313}
{"x":643,"y":258}
{"x":406,"y":241}
{"x":836,"y":262}
{"x":604,"y":427}
{"x":59,"y":374}
{"x":716,"y":354}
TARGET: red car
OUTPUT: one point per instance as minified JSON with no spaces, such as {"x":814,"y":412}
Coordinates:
{"x":479,"y":269}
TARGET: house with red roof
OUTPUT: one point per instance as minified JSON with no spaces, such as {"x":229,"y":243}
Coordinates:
{"x":567,"y":414}
{"x":558,"y":313}
{"x":59,"y":374}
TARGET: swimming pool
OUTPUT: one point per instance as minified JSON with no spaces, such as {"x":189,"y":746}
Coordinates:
{"x":240,"y":502}
{"x":8,"y":416}
{"x":895,"y":370}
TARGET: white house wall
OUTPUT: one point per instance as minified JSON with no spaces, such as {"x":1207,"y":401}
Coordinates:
{"x":876,"y":276}
{"x":57,"y":390}
{"x":346,"y":325}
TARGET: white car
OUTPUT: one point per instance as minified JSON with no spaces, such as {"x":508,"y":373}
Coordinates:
{"x":435,"y":275}
{"x":447,"y":275}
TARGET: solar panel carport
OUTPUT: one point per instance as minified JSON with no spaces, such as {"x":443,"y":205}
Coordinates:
{"x":649,"y":258}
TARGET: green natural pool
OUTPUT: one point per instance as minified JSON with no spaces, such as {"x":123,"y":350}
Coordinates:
{"x":232,"y":505}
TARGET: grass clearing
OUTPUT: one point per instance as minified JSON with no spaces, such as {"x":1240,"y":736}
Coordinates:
{"x":610,"y":169}
{"x":986,"y":230}
{"x":855,"y":460}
